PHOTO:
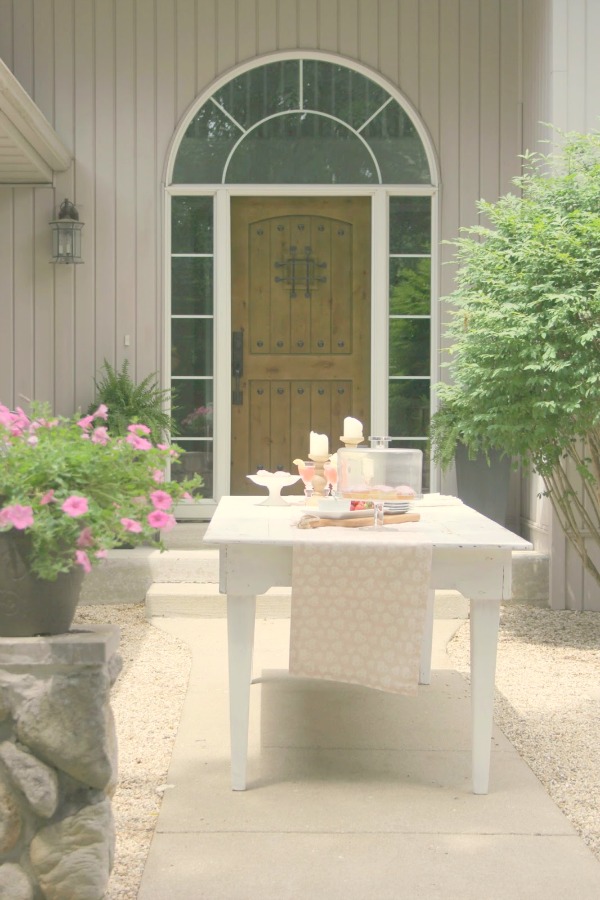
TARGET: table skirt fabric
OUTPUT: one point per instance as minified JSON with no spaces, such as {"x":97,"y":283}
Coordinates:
{"x":358,"y":613}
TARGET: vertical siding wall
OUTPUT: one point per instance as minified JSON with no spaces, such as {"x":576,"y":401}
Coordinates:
{"x":115,"y":76}
{"x":575,"y":79}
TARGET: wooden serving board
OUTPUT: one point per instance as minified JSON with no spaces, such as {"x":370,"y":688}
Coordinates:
{"x":388,"y":519}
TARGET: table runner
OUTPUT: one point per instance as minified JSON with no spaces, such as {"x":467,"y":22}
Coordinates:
{"x":358,"y":613}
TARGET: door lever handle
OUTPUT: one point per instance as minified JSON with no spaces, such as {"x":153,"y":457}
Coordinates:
{"x":237,"y":366}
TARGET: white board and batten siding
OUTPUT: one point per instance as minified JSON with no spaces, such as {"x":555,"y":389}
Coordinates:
{"x":114,"y":78}
{"x":575,"y":80}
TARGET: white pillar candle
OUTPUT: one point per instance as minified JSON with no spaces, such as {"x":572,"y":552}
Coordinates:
{"x":319,"y":444}
{"x":352,"y":428}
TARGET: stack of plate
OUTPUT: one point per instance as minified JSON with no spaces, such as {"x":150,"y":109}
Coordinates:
{"x":396,"y":506}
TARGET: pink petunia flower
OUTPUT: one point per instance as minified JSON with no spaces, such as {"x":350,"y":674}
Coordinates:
{"x":5,"y":416}
{"x":131,"y":525}
{"x":161,"y":500}
{"x":48,"y":497}
{"x":86,"y":422}
{"x":100,"y":435}
{"x":160,"y":519}
{"x":101,"y":554}
{"x":82,"y":559}
{"x":75,"y":506}
{"x":158,"y":476}
{"x":139,"y":443}
{"x":20,"y":517}
{"x":85,"y":538}
{"x":4,"y":518}
{"x":136,"y":428}
{"x":101,"y":412}
{"x":186,"y":496}
{"x":32,"y":440}
{"x":163,"y":446}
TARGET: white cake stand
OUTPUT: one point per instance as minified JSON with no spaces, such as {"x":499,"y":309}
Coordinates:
{"x":274,"y":482}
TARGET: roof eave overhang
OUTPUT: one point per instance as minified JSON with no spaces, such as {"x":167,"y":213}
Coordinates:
{"x":30,"y":149}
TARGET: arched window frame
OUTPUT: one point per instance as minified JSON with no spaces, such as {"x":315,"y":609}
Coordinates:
{"x":380,"y":194}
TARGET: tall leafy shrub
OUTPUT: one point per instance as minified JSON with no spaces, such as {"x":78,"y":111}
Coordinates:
{"x":525,"y":330}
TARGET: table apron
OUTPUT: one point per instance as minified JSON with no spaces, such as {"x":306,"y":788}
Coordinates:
{"x":478,"y":573}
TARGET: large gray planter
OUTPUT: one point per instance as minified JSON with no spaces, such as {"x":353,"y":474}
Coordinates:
{"x":484,"y":486}
{"x":28,"y":605}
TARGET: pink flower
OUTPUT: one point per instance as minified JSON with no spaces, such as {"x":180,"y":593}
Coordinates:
{"x":18,"y":516}
{"x":161,"y":500}
{"x":101,"y":412}
{"x":135,"y":428}
{"x":32,"y":440}
{"x":158,"y":476}
{"x":131,"y":525}
{"x":101,"y":554}
{"x":82,"y":559}
{"x":85,"y":538}
{"x":186,"y":496}
{"x":160,"y":519}
{"x":75,"y":506}
{"x":163,"y":446}
{"x":86,"y":422}
{"x":139,"y":443}
{"x":100,"y":435}
{"x":5,"y":416}
{"x":47,"y":498}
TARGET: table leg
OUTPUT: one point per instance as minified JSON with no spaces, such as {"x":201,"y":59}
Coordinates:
{"x":425,"y":663}
{"x":485,"y":618}
{"x":241,"y":615}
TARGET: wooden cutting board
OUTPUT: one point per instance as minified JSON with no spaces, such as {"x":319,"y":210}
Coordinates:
{"x":388,"y":519}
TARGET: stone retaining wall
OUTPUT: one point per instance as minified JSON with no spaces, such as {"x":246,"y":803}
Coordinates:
{"x":58,"y":764}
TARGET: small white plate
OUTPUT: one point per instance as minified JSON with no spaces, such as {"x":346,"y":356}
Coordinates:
{"x":344,"y":513}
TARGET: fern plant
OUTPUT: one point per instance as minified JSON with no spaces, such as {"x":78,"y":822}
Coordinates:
{"x":129,"y":402}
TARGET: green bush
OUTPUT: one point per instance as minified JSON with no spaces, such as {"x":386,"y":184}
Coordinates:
{"x":525,"y":331}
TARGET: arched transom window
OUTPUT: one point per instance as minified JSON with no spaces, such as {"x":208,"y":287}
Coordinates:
{"x":304,"y":122}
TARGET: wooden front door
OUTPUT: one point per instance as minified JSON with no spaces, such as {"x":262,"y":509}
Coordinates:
{"x":301,"y":326}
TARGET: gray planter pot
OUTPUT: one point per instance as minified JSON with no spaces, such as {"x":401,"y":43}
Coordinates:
{"x":481,"y":486}
{"x":31,"y":606}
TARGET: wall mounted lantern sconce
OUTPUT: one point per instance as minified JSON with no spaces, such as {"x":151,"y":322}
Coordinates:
{"x":66,"y":235}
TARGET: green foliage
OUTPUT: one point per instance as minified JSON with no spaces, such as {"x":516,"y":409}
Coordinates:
{"x":129,"y":402}
{"x":75,"y":491}
{"x":525,"y":328}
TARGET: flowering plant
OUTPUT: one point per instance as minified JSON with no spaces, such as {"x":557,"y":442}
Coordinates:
{"x":77,"y":492}
{"x":204,"y":413}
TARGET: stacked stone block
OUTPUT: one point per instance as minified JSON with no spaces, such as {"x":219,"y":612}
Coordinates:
{"x":58,"y":764}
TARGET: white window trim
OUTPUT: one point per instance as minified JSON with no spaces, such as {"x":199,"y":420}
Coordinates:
{"x":379,"y":193}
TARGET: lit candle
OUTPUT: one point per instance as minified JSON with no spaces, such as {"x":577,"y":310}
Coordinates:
{"x":319,"y":444}
{"x":352,"y":428}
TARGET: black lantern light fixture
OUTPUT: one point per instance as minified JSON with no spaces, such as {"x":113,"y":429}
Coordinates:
{"x":66,"y":235}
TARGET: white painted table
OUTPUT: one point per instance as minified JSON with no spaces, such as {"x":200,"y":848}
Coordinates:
{"x":471,"y":554}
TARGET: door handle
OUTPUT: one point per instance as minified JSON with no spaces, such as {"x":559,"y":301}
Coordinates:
{"x":237,"y":366}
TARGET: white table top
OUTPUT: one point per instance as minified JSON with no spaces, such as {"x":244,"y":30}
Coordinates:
{"x":244,"y":520}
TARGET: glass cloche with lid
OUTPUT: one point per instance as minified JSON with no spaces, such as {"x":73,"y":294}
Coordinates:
{"x":379,"y":472}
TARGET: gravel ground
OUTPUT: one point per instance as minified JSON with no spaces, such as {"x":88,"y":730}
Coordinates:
{"x":146,"y":700}
{"x":547,"y":704}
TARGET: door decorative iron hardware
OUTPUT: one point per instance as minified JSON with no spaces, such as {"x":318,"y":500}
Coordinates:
{"x":300,"y":271}
{"x":237,"y":366}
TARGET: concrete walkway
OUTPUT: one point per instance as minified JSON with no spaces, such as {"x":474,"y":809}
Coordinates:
{"x":353,"y":794}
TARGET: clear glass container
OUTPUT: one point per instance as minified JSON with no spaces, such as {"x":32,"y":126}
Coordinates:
{"x":379,"y":473}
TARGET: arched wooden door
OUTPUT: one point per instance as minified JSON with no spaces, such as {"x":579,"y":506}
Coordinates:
{"x":301,"y":326}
